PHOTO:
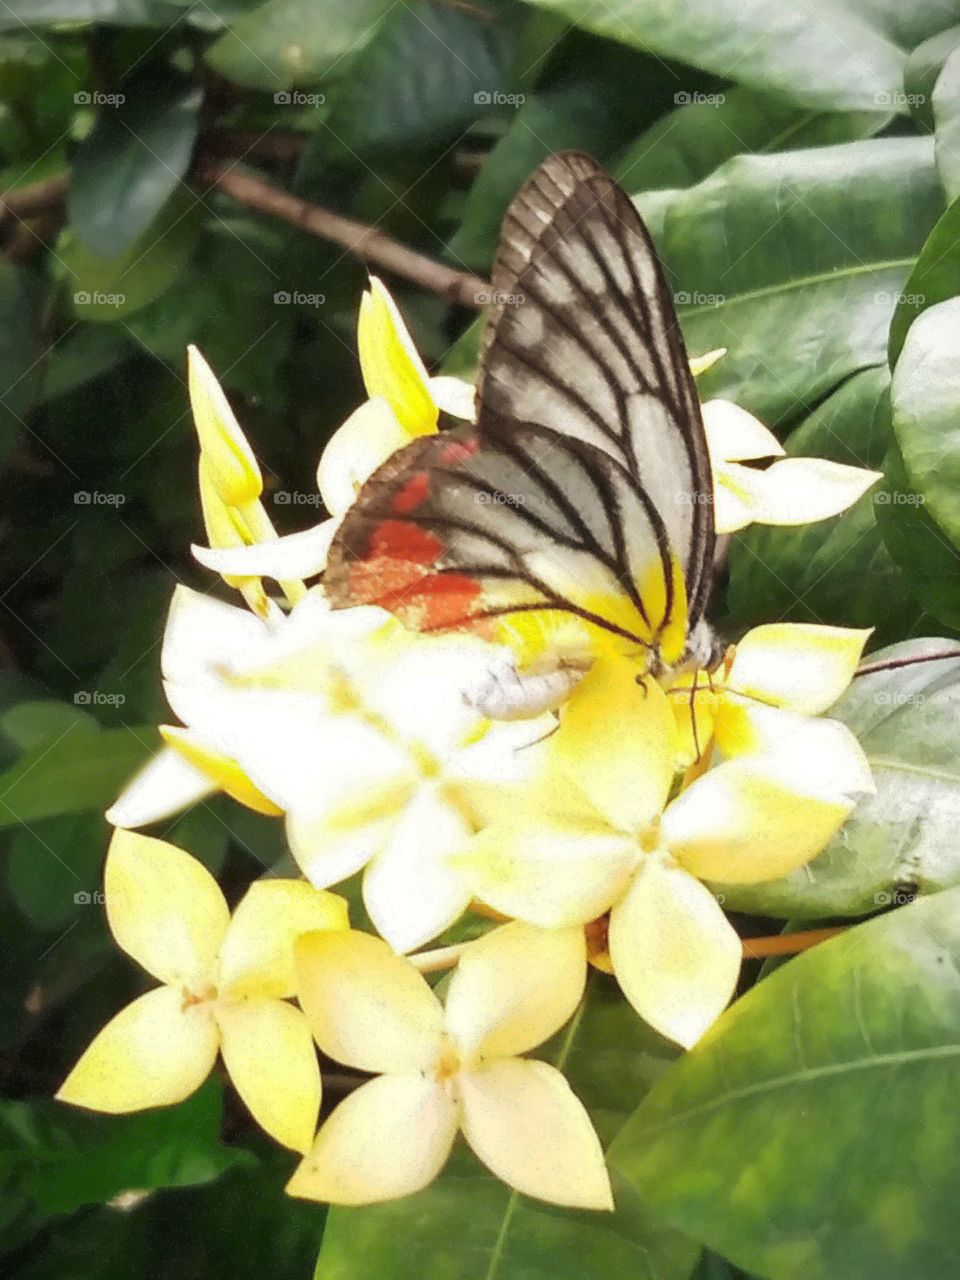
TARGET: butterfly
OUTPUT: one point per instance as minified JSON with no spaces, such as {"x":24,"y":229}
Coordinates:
{"x":580,"y":502}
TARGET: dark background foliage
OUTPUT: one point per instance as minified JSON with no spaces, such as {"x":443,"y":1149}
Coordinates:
{"x":796,"y":168}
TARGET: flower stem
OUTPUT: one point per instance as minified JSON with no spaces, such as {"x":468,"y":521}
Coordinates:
{"x":786,"y":944}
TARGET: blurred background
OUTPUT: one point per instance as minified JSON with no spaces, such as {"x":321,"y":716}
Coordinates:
{"x":166,"y":168}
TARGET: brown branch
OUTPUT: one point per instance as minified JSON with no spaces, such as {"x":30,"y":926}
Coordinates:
{"x":38,"y":197}
{"x":247,"y":144}
{"x":369,"y":244}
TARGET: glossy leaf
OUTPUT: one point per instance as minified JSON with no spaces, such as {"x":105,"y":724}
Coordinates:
{"x":934,"y":278}
{"x":831,"y":55}
{"x":908,"y":724}
{"x":294,"y":42}
{"x":705,"y":130}
{"x":946,"y":115}
{"x":925,"y":399}
{"x":133,"y":160}
{"x":794,"y":262}
{"x":845,"y":1058}
{"x":839,"y":570}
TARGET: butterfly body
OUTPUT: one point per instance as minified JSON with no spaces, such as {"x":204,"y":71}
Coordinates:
{"x":576,"y":514}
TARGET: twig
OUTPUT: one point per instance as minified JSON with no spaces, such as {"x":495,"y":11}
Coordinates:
{"x":367,"y":243}
{"x":250,"y":145}
{"x":38,"y":197}
{"x":786,"y":944}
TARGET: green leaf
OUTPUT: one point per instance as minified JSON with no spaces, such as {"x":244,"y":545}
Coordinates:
{"x":837,"y":571}
{"x":110,"y":289}
{"x":831,"y":54}
{"x":61,"y":1158}
{"x":687,"y":144}
{"x":77,"y":770}
{"x":925,"y":398}
{"x":17,"y":14}
{"x":54,"y":867}
{"x":934,"y":278}
{"x":918,"y":544}
{"x":468,"y":1224}
{"x":906,"y":721}
{"x":133,"y":160}
{"x":426,"y":73}
{"x":289,"y":42}
{"x":946,"y":115}
{"x":581,"y":105}
{"x":794,"y":262}
{"x":810,"y":1135}
{"x":922,"y":70}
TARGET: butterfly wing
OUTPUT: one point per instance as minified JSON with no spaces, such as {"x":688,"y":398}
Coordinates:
{"x":584,"y":489}
{"x":584,"y":339}
{"x":512,"y":521}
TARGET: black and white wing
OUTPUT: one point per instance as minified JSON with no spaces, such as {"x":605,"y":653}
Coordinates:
{"x":584,"y":339}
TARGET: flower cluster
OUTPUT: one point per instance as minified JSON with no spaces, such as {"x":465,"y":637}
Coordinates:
{"x":597,"y":834}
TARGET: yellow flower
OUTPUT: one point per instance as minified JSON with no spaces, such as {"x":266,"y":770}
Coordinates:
{"x":225,"y":987}
{"x":230,"y":484}
{"x":440,"y":1070}
{"x":600,"y":835}
{"x":790,"y":491}
{"x":405,"y":402}
{"x":777,"y":671}
{"x":203,"y":639}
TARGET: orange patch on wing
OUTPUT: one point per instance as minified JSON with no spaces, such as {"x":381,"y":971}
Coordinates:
{"x":411,"y":493}
{"x":458,"y":451}
{"x":396,"y":573}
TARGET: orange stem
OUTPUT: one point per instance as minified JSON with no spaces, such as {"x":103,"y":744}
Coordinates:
{"x":787,"y":944}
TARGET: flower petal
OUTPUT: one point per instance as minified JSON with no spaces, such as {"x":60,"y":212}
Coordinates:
{"x":798,"y":665}
{"x":700,"y":364}
{"x":389,"y":1138}
{"x":734,"y":435}
{"x":618,"y":742}
{"x":802,"y":490}
{"x":165,"y":910}
{"x":153,"y":1053}
{"x":355,"y":450}
{"x":529,"y":1128}
{"x":554,"y":874}
{"x":202,"y":635}
{"x":454,"y":396}
{"x":410,"y":889}
{"x":269,"y":1055}
{"x":229,"y":458}
{"x":164,"y":786}
{"x":256,"y":957}
{"x":674,"y":952}
{"x":220,"y":769}
{"x":390,"y":363}
{"x":367,"y":1007}
{"x":297,"y":555}
{"x":737,"y":496}
{"x":748,"y":821}
{"x":515,"y":987}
